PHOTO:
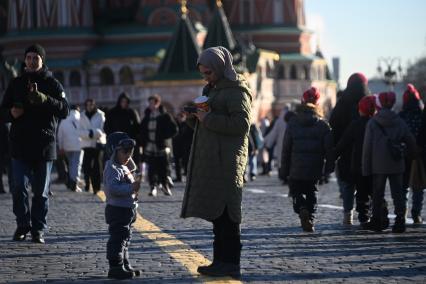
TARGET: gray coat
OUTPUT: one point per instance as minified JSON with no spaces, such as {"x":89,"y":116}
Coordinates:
{"x":376,"y":157}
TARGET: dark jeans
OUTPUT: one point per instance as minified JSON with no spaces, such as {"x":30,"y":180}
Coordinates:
{"x":38,"y":175}
{"x":304,"y":195}
{"x":92,"y":168}
{"x":158,"y":169}
{"x":119,"y":220}
{"x":398,"y":192}
{"x":227,"y":239}
{"x":362,"y":190}
{"x":417,"y":195}
{"x":363,"y":197}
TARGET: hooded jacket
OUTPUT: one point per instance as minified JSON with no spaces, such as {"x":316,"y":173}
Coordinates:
{"x":376,"y":157}
{"x":219,"y":153}
{"x":307,"y":145}
{"x":33,"y":135}
{"x":118,"y":181}
{"x":346,"y":111}
{"x":123,"y":120}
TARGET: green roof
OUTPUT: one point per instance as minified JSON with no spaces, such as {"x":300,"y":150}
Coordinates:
{"x":182,"y":51}
{"x":64,"y":63}
{"x":297,"y":57}
{"x":219,"y":32}
{"x":269,"y":29}
{"x":66,"y":32}
{"x":148,"y":49}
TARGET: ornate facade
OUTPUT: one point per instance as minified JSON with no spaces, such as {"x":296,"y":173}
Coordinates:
{"x":99,"y":49}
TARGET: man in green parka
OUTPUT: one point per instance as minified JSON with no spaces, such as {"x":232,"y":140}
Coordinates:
{"x":218,"y":159}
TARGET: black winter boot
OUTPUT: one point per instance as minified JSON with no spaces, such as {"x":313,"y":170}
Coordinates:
{"x":220,"y":269}
{"x":217,"y":246}
{"x":119,"y":272}
{"x":399,"y":226}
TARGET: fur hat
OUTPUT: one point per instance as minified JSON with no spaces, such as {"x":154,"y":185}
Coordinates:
{"x":387,"y":99}
{"x":367,"y":105}
{"x":311,"y":96}
{"x":37,"y":49}
{"x":410,"y":93}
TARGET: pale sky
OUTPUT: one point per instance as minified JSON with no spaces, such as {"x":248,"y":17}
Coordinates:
{"x":362,"y":31}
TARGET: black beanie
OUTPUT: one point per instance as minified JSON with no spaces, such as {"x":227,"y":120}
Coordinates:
{"x":37,"y":49}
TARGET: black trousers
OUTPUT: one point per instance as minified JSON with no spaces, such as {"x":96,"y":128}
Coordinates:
{"x":304,"y":195}
{"x":227,"y":240}
{"x":91,"y":168}
{"x":158,"y":169}
{"x":119,"y":220}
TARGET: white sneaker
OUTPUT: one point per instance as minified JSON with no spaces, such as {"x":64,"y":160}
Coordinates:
{"x":153,"y":192}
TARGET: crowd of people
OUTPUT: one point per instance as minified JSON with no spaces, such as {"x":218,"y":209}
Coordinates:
{"x":364,"y":141}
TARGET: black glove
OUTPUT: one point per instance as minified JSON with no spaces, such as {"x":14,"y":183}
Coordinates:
{"x":90,"y":133}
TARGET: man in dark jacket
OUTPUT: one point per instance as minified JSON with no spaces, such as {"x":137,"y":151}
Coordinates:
{"x":33,"y":103}
{"x":346,"y":111}
{"x":157,"y":129}
{"x":4,"y":156}
{"x":122,"y":118}
{"x":306,"y":156}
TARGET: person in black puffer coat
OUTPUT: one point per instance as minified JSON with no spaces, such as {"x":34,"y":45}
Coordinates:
{"x":122,"y":118}
{"x":33,"y":103}
{"x":346,"y":111}
{"x":412,"y":115}
{"x":306,"y":156}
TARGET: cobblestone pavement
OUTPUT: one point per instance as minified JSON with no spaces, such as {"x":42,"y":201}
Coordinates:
{"x":274,"y":247}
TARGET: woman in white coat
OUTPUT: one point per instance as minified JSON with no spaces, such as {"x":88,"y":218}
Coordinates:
{"x":93,"y":139}
{"x":69,"y":143}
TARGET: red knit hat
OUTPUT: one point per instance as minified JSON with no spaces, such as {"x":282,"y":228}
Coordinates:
{"x":311,"y":96}
{"x":387,"y":99}
{"x":410,"y":93}
{"x":357,"y":77}
{"x":367,"y":105}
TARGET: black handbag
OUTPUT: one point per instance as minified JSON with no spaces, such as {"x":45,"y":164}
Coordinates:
{"x":396,"y":148}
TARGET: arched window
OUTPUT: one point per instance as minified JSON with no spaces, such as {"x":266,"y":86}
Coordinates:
{"x":75,"y":78}
{"x":107,"y":77}
{"x":293,"y":72}
{"x":281,"y":72}
{"x":126,"y":76}
{"x":306,"y":73}
{"x":59,"y":75}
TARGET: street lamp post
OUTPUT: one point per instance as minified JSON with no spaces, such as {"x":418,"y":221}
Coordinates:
{"x":390,"y":74}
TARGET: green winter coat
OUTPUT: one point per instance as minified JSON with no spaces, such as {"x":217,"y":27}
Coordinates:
{"x":219,"y":154}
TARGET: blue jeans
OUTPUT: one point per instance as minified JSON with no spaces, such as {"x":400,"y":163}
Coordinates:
{"x":75,"y":159}
{"x":252,"y":165}
{"x":347,"y":190}
{"x":38,"y":175}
